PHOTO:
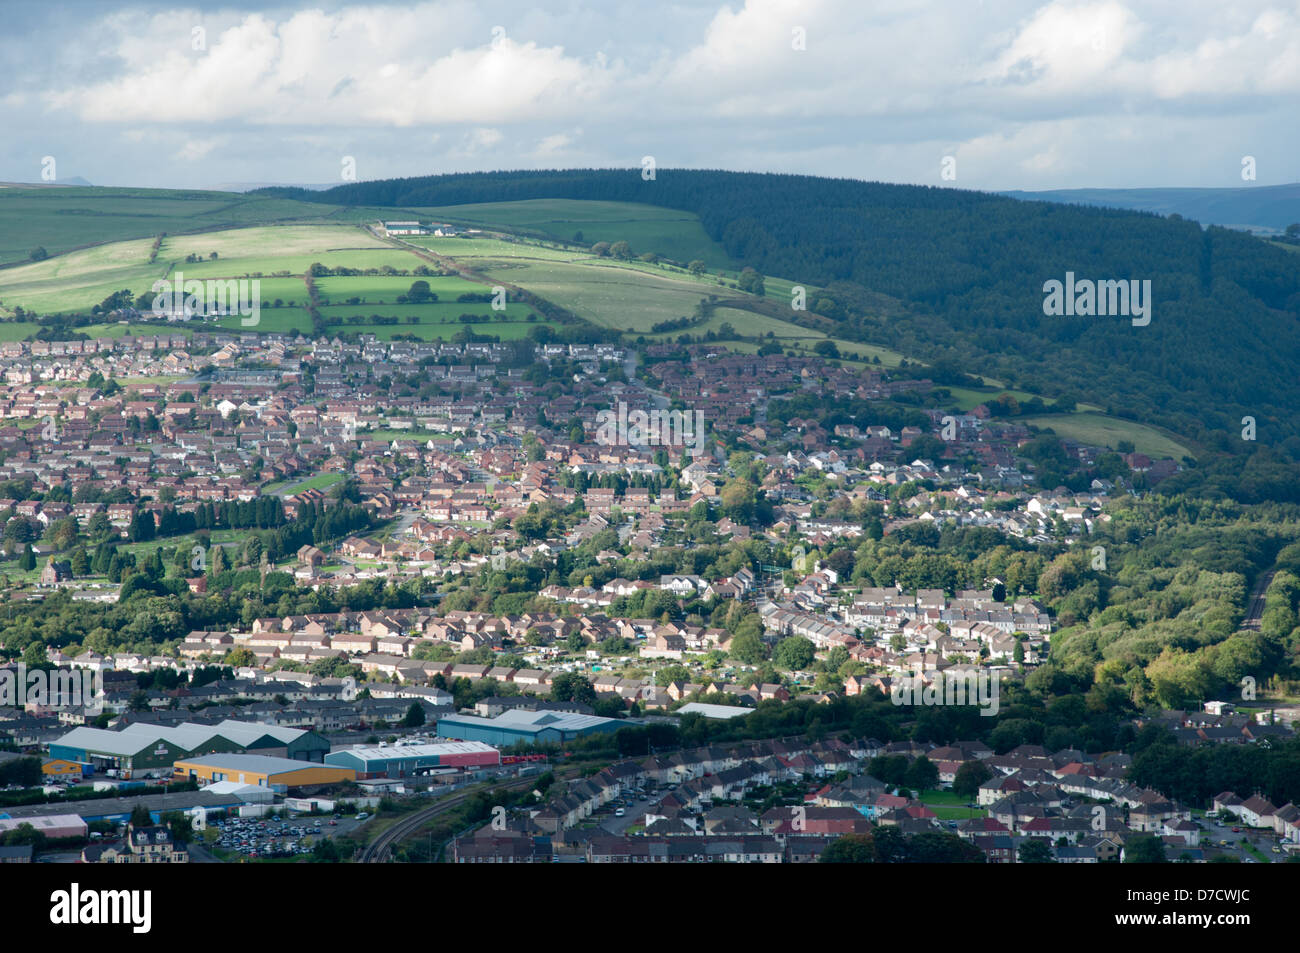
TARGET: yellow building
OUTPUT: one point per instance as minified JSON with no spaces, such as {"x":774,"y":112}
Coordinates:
{"x":260,"y":770}
{"x":61,"y":769}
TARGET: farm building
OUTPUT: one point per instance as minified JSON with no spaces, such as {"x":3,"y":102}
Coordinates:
{"x":530,"y":727}
{"x":261,"y":770}
{"x":405,"y":761}
{"x":143,"y":748}
{"x":405,"y":228}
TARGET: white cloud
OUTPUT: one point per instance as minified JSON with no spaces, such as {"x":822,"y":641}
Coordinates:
{"x":1042,"y":92}
{"x":194,"y":149}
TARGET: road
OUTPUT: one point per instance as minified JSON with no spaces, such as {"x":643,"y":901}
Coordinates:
{"x":1215,"y":832}
{"x":632,"y":815}
{"x":1256,"y":605}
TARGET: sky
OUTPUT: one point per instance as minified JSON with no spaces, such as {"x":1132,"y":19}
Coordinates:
{"x":982,"y":94}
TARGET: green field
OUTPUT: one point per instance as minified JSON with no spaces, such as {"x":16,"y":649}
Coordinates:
{"x":16,"y":330}
{"x":486,"y":247}
{"x":788,"y":335}
{"x":321,"y":481}
{"x":291,"y":248}
{"x":378,"y":289}
{"x":1100,"y":430}
{"x":606,"y":293}
{"x":62,"y":219}
{"x":269,"y":320}
{"x":84,"y":278}
{"x":647,"y":228}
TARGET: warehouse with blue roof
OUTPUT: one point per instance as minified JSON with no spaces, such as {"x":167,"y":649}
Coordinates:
{"x":520,"y":725}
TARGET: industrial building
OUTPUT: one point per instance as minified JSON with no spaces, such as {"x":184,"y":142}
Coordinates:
{"x":53,"y":826}
{"x":520,"y":725}
{"x":404,"y":761}
{"x":144,"y":749}
{"x":117,"y":809}
{"x":261,"y":770}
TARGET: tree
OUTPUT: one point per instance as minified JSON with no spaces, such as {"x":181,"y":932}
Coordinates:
{"x":621,"y":250}
{"x":748,"y":647}
{"x":672,"y":673}
{"x":25,"y":834}
{"x":969,"y":777}
{"x":414,"y":716}
{"x":794,"y":653}
{"x":696,"y":267}
{"x":835,"y":659}
{"x":1144,"y":849}
{"x":28,"y":562}
{"x":921,"y":774}
{"x":80,"y":563}
{"x":99,"y":528}
{"x":850,"y":849}
{"x":181,"y":826}
{"x":570,"y":686}
{"x":751,"y":281}
{"x":1035,"y":850}
{"x":38,"y":253}
{"x":140,"y":816}
{"x":240,"y":658}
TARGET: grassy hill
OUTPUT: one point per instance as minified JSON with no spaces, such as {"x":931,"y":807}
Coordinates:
{"x":62,"y":219}
{"x":968,"y":271}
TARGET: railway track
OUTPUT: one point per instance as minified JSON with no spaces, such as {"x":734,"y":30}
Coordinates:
{"x":380,"y":850}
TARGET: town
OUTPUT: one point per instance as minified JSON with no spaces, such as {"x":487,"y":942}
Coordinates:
{"x":449,"y":575}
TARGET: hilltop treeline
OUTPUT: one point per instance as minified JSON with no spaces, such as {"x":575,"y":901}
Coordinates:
{"x":969,"y":268}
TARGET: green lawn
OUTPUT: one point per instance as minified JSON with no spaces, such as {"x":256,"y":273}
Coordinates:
{"x":321,"y":481}
{"x":1100,"y":430}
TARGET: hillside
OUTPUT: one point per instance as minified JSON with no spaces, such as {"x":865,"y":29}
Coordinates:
{"x":970,"y":267}
{"x":62,"y":219}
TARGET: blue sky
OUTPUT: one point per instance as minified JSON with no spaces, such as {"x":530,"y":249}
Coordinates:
{"x":1026,"y":94}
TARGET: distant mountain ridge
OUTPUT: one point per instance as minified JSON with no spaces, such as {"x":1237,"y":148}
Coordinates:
{"x":1266,"y":208}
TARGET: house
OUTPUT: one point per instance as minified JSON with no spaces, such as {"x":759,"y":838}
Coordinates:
{"x":55,"y":573}
{"x":143,"y":845}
